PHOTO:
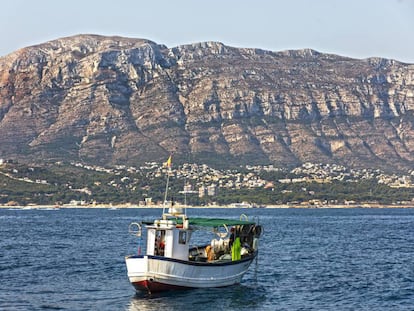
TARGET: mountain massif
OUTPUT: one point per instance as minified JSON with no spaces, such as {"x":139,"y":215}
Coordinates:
{"x":113,"y":100}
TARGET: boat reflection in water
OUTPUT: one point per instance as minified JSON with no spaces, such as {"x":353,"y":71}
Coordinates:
{"x":230,"y":298}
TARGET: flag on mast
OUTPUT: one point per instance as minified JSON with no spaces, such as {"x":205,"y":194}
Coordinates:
{"x":168,"y":163}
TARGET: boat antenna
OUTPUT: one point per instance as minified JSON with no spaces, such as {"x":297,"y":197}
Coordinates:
{"x":185,"y":186}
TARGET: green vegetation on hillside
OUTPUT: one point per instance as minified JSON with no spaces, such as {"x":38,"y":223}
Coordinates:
{"x":63,"y":183}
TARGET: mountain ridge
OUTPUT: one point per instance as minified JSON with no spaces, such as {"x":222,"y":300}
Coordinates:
{"x":112,"y":100}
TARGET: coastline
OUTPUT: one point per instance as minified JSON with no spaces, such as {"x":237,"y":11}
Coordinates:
{"x":136,"y":206}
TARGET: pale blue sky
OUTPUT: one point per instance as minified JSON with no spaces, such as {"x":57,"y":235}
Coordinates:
{"x":354,"y":28}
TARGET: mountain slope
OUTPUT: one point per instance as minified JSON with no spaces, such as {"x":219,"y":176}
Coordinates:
{"x":113,"y":100}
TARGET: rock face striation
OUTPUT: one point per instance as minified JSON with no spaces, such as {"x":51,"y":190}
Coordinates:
{"x":114,"y":100}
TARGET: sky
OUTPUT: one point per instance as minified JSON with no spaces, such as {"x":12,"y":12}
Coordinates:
{"x":353,"y":28}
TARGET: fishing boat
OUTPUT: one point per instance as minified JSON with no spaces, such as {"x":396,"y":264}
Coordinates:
{"x":170,"y":260}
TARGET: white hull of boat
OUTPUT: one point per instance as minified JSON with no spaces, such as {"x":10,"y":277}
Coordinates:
{"x":156,"y":273}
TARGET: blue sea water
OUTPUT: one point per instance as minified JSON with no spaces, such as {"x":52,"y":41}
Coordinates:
{"x":310,"y":259}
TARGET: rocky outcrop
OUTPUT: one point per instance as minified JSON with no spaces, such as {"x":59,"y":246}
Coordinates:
{"x":113,"y":100}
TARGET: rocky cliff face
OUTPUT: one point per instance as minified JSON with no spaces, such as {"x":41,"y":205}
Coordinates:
{"x":113,"y":100}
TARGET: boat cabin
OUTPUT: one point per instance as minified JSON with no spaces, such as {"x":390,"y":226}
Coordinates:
{"x":167,"y":238}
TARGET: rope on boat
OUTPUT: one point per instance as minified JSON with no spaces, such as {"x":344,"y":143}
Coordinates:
{"x":135,"y":228}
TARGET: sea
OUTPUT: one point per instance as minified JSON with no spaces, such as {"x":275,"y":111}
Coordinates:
{"x":309,"y":259}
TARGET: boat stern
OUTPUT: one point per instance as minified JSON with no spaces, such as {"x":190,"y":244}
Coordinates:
{"x":137,"y":268}
{"x":142,"y":280}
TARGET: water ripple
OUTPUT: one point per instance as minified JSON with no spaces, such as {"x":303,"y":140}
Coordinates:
{"x":358,"y":259}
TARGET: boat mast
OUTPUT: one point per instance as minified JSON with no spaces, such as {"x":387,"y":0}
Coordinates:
{"x":166,"y":191}
{"x":168,"y":165}
{"x":185,"y":195}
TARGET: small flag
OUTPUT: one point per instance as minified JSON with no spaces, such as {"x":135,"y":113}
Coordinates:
{"x":168,"y":163}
